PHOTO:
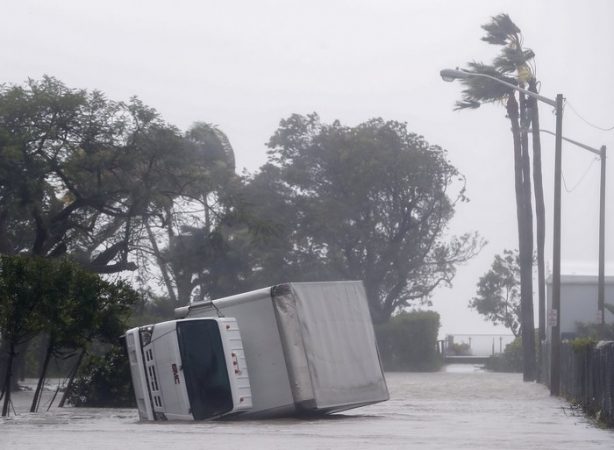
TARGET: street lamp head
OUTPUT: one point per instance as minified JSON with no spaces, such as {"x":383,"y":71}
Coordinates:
{"x":457,"y":74}
{"x":453,"y":74}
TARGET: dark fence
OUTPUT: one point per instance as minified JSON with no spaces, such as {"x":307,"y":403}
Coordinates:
{"x":587,"y":378}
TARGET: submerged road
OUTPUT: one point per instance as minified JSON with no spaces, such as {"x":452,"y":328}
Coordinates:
{"x":459,"y":408}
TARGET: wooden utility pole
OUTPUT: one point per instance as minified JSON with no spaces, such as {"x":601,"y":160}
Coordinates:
{"x":555,"y":338}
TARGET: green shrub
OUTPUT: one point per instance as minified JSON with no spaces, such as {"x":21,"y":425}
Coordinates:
{"x":409,"y":342}
{"x":583,"y":343}
{"x":595,"y":331}
{"x":509,"y":361}
{"x":104,"y":381}
{"x":458,"y":349}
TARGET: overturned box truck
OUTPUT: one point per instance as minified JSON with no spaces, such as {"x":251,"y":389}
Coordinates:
{"x":290,"y":349}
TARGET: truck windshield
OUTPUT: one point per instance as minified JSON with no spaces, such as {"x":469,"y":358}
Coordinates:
{"x":204,"y":368}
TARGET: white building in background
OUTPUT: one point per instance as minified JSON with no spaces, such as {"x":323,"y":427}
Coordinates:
{"x":578,"y":302}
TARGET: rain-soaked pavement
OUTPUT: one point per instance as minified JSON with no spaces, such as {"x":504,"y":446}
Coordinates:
{"x":459,"y":408}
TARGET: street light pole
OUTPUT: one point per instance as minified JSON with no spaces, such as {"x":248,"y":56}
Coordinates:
{"x":601,"y":271}
{"x":555,"y":339}
{"x":601,"y":286}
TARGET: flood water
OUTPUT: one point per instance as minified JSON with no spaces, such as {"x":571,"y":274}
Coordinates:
{"x":461,"y":407}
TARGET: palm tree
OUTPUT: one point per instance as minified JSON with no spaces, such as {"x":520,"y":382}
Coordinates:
{"x":186,"y":236}
{"x":540,"y":215}
{"x":513,"y":60}
{"x":215,"y":149}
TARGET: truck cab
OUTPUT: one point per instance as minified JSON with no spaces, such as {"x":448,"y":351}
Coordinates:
{"x":191,"y":369}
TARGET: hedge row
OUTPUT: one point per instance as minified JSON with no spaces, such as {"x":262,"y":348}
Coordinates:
{"x":408,"y":342}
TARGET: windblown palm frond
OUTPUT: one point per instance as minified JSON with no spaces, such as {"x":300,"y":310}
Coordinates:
{"x":215,"y":144}
{"x":483,"y":90}
{"x":511,"y":59}
{"x":466,"y":104}
{"x":501,"y":30}
{"x":228,"y":150}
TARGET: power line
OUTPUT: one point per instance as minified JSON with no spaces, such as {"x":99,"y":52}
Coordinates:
{"x":567,"y":103}
{"x":570,"y":190}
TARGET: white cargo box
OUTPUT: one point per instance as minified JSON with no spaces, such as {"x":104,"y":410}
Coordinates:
{"x":309,"y":347}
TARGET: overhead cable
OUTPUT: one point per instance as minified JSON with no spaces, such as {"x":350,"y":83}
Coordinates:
{"x":567,"y":103}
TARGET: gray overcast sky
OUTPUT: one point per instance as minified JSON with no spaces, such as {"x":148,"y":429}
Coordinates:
{"x":244,"y":65}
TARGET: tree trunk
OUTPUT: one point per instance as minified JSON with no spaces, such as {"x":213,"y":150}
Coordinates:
{"x":540,"y":219}
{"x":525,"y":240}
{"x":4,"y":356}
{"x":73,"y":374}
{"x":6,"y":386}
{"x":183,"y":281}
{"x":528,"y":334}
{"x":41,"y":379}
{"x":19,"y":364}
{"x":163,"y":268}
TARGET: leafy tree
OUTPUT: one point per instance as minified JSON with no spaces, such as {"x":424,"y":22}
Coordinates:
{"x":249,"y":234}
{"x":259,"y":238}
{"x":103,"y":379}
{"x":514,"y":61}
{"x":79,"y":308}
{"x":80,"y":174}
{"x":150,"y":308}
{"x":69,"y":305}
{"x":498,"y":293}
{"x":370,"y":202}
{"x":115,"y":303}
{"x":206,"y":263}
{"x":23,"y":281}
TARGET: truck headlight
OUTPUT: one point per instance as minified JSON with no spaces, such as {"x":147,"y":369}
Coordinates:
{"x":146,"y":333}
